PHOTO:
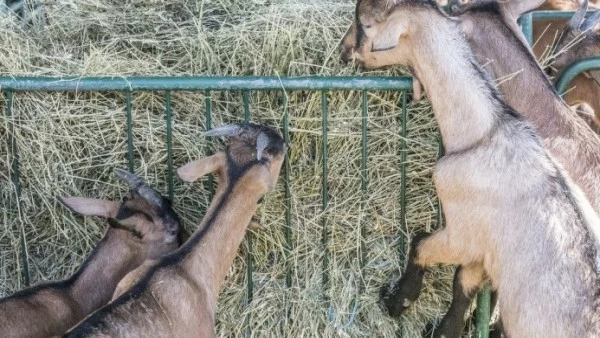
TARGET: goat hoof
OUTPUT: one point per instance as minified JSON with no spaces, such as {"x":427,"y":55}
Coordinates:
{"x":389,"y":303}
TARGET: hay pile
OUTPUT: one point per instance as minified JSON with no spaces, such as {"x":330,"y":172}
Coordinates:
{"x":222,"y":37}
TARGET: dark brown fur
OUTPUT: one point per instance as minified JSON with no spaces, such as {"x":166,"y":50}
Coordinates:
{"x":136,"y":233}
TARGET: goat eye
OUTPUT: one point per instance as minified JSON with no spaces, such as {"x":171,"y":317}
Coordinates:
{"x":366,"y":26}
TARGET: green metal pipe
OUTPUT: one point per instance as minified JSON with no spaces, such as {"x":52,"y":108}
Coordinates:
{"x":16,"y":180}
{"x":526,"y":22}
{"x":363,"y":182}
{"x":208,"y":113}
{"x":169,"y":143}
{"x":551,"y":15}
{"x":324,"y":195}
{"x":288,"y":196}
{"x":575,"y":69}
{"x":129,"y":130}
{"x":403,"y":158}
{"x":179,"y":83}
{"x":249,"y":253}
{"x":483,"y":314}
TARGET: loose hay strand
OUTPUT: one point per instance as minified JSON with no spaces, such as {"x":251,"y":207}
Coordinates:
{"x":69,"y":144}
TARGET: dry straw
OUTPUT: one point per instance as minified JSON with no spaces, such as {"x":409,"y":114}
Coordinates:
{"x":69,"y":144}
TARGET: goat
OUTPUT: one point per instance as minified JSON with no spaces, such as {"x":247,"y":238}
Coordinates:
{"x":565,"y":44}
{"x":573,"y":144}
{"x":497,"y":42}
{"x":545,"y":32}
{"x":177,"y":296}
{"x":140,"y":228}
{"x":511,"y":211}
{"x":580,"y":39}
{"x":136,"y":275}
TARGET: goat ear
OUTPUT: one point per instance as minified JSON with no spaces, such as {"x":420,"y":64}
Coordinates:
{"x":579,"y":16}
{"x":583,"y":109}
{"x":202,"y":167}
{"x":90,"y":206}
{"x":516,"y":8}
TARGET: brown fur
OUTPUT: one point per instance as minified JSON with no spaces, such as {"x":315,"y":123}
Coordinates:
{"x":448,"y":246}
{"x":580,"y":40}
{"x":569,"y":140}
{"x":50,"y":309}
{"x":176,"y":297}
{"x":557,"y":45}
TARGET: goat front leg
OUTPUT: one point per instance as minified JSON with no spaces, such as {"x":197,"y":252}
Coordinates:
{"x":426,"y":250}
{"x":467,"y":281}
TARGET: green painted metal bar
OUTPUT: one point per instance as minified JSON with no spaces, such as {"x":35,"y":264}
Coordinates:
{"x":363,"y":182}
{"x":324,"y":196}
{"x":208,"y":115}
{"x":526,"y":22}
{"x":246,"y":99}
{"x":249,"y":253}
{"x":575,"y":69}
{"x":129,"y":130}
{"x":169,"y":143}
{"x":288,"y":196}
{"x":552,"y":15}
{"x":16,"y":180}
{"x":180,"y":83}
{"x":403,"y":158}
{"x":483,"y":314}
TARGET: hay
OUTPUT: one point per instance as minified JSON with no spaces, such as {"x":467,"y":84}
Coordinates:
{"x":280,"y":37}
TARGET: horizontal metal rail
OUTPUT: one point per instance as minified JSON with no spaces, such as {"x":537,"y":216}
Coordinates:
{"x":575,"y":69}
{"x":128,"y":86}
{"x":8,"y":85}
{"x":137,"y":83}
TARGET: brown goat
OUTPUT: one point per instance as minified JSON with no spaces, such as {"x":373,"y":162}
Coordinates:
{"x":177,"y":297}
{"x":580,"y":39}
{"x":140,"y":228}
{"x":557,"y":44}
{"x":511,"y":212}
{"x":545,"y":32}
{"x":497,"y":42}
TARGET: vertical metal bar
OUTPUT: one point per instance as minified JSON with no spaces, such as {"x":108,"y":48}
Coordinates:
{"x":250,"y":281}
{"x":169,"y":143}
{"x":208,"y":104}
{"x":246,"y":100}
{"x":324,"y":196}
{"x":483,"y":314}
{"x":363,"y":182}
{"x":288,"y":208}
{"x":16,"y":180}
{"x":288,"y":196}
{"x":403,"y":154}
{"x":526,"y":22}
{"x":129,"y":129}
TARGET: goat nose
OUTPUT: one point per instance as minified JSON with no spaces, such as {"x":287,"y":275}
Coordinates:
{"x":346,"y":52}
